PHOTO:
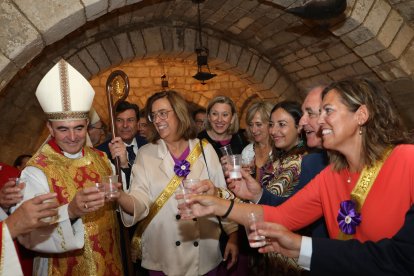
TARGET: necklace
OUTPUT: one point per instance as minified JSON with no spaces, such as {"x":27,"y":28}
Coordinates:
{"x":349,"y":176}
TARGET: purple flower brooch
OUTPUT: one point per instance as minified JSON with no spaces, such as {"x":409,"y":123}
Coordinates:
{"x":182,"y":168}
{"x":348,"y":218}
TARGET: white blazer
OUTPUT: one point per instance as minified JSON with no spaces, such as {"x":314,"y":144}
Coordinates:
{"x":169,"y":244}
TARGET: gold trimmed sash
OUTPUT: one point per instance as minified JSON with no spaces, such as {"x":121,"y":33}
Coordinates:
{"x":136,"y":246}
{"x":365,"y":182}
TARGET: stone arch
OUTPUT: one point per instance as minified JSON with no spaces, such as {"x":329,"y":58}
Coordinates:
{"x":373,"y":39}
{"x":367,"y":30}
{"x":177,"y":45}
{"x":379,"y":35}
{"x":109,"y":51}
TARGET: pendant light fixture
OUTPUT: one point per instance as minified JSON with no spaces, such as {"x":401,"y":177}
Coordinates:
{"x":203,"y":70}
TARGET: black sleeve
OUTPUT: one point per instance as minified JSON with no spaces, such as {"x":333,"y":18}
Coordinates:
{"x":270,"y":199}
{"x":393,"y":256}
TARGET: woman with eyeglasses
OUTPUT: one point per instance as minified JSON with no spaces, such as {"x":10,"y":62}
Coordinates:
{"x":169,"y":245}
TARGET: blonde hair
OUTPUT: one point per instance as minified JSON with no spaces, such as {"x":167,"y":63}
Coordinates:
{"x":234,"y":126}
{"x":264,"y":109}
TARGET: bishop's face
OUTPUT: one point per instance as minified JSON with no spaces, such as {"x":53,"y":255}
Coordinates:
{"x":70,"y":136}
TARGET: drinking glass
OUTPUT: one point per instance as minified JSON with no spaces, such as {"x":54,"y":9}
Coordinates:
{"x":189,"y":183}
{"x":235,"y":166}
{"x":181,"y":194}
{"x":255,"y":240}
{"x":248,"y":164}
{"x":226,"y":150}
{"x":52,"y":219}
{"x":110,"y":183}
{"x":18,"y":182}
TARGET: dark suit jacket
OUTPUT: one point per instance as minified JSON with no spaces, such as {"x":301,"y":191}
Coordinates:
{"x":393,"y":256}
{"x":105,"y":148}
{"x":312,"y":164}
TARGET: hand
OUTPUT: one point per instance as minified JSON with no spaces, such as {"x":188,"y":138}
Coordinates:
{"x":28,"y":216}
{"x":86,"y":201}
{"x":204,"y":187}
{"x":118,"y":149}
{"x":201,"y":205}
{"x":279,"y":239}
{"x":232,"y":250}
{"x":246,"y":188}
{"x":10,"y":194}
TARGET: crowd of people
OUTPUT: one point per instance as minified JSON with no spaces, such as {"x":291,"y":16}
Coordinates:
{"x":325,"y":175}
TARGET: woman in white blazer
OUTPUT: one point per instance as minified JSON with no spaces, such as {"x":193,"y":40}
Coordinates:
{"x":170,"y":245}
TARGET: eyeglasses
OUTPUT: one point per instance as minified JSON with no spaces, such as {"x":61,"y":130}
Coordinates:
{"x":162,"y":114}
{"x":94,"y":127}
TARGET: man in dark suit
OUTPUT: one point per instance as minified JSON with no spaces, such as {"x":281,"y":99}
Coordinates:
{"x":392,"y":256}
{"x":126,"y":144}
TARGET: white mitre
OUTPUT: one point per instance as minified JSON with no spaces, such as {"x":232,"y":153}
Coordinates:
{"x":64,"y":94}
{"x":93,"y":116}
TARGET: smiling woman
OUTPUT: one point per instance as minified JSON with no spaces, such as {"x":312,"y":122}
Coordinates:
{"x":222,"y":127}
{"x":370,"y":149}
{"x":260,"y":150}
{"x":169,"y":245}
{"x":289,"y":149}
{"x":361,"y":112}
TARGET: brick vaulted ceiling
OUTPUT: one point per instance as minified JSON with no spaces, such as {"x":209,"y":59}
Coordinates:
{"x":257,"y":49}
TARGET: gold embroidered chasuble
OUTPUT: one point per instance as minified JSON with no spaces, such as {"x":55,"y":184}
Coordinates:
{"x":101,"y":252}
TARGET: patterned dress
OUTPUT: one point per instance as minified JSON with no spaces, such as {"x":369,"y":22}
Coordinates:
{"x":282,"y":175}
{"x":280,"y":178}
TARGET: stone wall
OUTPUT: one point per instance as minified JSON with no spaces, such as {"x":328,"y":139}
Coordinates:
{"x":257,"y":50}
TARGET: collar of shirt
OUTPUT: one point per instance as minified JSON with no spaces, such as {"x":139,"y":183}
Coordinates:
{"x":73,"y":156}
{"x":133,"y":143}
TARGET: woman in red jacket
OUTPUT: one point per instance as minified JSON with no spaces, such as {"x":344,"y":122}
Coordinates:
{"x":370,"y":179}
